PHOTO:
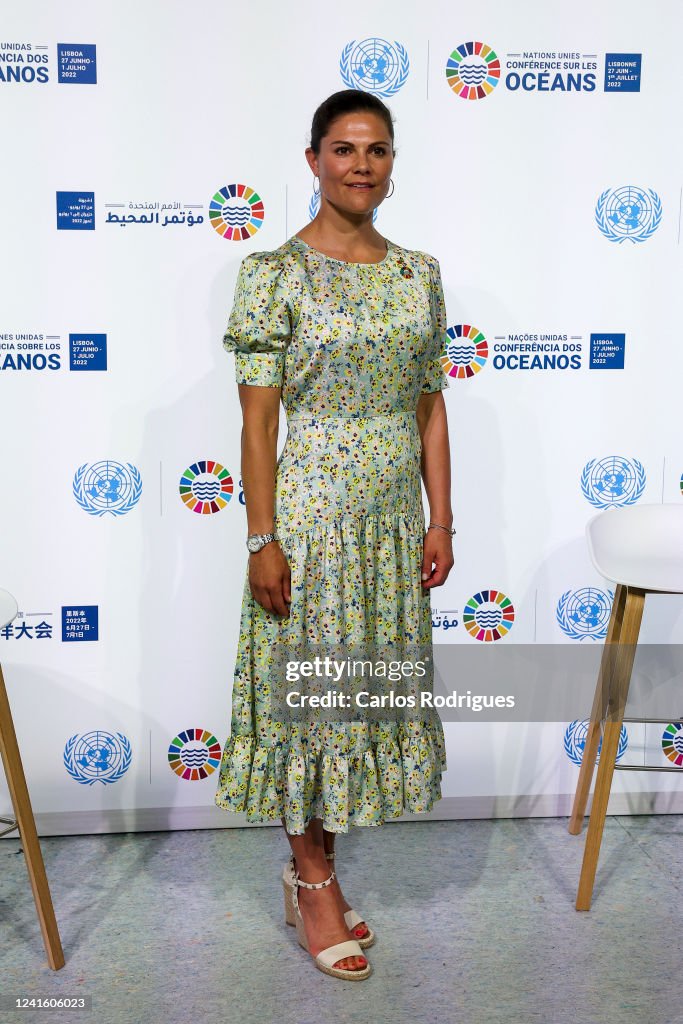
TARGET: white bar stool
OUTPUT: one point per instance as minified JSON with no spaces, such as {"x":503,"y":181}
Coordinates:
{"x":25,"y":823}
{"x":640,"y":548}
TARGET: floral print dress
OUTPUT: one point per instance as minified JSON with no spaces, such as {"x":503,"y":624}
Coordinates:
{"x":352,"y":346}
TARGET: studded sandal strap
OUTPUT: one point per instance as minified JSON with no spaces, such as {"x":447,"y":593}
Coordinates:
{"x":316,"y":885}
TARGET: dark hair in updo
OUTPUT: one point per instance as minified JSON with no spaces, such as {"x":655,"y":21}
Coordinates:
{"x":347,"y":101}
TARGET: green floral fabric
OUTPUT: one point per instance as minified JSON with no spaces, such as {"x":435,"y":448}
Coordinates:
{"x":351,"y":346}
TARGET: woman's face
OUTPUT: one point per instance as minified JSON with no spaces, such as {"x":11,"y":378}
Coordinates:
{"x":355,"y":162}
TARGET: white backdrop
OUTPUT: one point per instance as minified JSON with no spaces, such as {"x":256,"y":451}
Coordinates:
{"x":162,"y":105}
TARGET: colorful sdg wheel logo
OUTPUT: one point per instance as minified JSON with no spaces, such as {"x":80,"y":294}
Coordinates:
{"x":466,"y":351}
{"x":672,"y":742}
{"x":473,"y":71}
{"x":236,"y":212}
{"x":206,"y":487}
{"x":194,"y":754}
{"x":488,"y":615}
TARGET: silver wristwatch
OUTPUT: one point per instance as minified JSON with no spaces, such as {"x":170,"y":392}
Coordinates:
{"x":255,"y":541}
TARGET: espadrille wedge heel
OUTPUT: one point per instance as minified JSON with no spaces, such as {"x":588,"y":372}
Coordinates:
{"x":350,"y":916}
{"x":326,"y":958}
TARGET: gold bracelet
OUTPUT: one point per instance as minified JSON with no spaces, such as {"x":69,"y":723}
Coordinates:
{"x":437,"y":526}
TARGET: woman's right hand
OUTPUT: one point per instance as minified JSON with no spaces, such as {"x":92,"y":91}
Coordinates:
{"x":269,"y":578}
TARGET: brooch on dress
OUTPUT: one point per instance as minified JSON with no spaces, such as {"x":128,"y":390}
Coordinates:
{"x":405,"y":271}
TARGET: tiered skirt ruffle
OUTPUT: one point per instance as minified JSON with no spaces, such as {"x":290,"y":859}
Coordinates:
{"x":355,"y":580}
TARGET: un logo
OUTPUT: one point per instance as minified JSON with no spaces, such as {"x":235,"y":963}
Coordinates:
{"x":107,"y":487}
{"x":585,"y":612}
{"x":97,"y":757}
{"x":613,"y":481}
{"x":374,"y":65}
{"x":629,"y":213}
{"x":575,"y":742}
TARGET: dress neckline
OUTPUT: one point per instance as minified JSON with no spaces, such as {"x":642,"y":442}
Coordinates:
{"x":346,"y":263}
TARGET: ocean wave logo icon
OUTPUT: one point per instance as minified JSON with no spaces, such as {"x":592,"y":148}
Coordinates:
{"x":206,"y":487}
{"x":672,"y":742}
{"x":575,"y":742}
{"x":585,"y":613}
{"x":466,"y":351}
{"x":488,"y":615}
{"x":97,"y":757}
{"x":236,"y":212}
{"x":374,"y":65}
{"x":194,"y":754}
{"x":628,"y":213}
{"x":473,"y":71}
{"x":612,"y":481}
{"x":107,"y":486}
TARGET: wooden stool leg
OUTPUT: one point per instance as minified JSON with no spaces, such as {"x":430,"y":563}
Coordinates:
{"x":633,"y":612}
{"x":16,"y":780}
{"x":598,"y":713}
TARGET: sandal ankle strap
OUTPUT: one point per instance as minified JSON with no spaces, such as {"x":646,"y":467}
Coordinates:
{"x":316,"y":885}
{"x":329,"y":856}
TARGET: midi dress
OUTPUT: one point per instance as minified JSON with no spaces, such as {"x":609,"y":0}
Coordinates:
{"x":352,"y":347}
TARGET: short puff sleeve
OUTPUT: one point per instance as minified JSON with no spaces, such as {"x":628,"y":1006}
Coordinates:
{"x":435,"y":379}
{"x":260,"y":327}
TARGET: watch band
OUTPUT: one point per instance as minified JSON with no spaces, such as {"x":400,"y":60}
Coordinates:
{"x":256,"y":541}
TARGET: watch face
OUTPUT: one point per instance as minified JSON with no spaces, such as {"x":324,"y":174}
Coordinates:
{"x":254,"y":544}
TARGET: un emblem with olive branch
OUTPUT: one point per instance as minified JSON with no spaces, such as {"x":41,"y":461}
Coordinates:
{"x":575,"y":741}
{"x":107,"y":487}
{"x":612,"y":481}
{"x":585,"y":613}
{"x":97,"y":756}
{"x":374,"y":65}
{"x":628,"y":213}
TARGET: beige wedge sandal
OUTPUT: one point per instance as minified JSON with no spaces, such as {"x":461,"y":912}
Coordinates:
{"x":352,"y":918}
{"x":326,"y":958}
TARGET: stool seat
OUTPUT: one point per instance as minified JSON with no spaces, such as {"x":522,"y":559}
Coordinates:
{"x":9,"y":609}
{"x":639,"y":546}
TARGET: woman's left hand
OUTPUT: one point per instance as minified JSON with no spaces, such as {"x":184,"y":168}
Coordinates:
{"x":437,"y":558}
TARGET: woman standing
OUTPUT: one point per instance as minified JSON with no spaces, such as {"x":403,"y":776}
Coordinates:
{"x":347,"y":328}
